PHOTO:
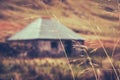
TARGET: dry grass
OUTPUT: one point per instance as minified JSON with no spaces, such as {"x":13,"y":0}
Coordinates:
{"x":57,"y":69}
{"x":78,"y":14}
{"x":90,"y":18}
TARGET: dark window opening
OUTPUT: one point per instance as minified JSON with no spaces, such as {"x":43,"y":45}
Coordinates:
{"x":54,"y":45}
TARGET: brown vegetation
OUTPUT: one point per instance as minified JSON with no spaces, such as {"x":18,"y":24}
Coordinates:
{"x":96,"y":20}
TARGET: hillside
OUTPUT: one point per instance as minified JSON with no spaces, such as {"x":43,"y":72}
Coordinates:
{"x":93,"y":19}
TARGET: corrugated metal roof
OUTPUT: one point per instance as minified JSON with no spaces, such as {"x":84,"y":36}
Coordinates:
{"x":44,"y":28}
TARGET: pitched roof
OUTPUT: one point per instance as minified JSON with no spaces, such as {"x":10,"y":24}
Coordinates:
{"x":44,"y":28}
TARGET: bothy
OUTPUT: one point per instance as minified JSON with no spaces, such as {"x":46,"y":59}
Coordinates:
{"x":47,"y":35}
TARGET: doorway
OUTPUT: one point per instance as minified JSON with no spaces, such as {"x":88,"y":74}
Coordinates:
{"x":68,"y":47}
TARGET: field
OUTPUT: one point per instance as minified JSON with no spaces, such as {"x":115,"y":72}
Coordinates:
{"x":98,"y":21}
{"x":59,"y":69}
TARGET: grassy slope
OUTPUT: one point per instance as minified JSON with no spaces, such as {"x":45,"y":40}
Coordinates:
{"x":89,"y":17}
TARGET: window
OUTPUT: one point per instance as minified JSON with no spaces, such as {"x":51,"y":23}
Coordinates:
{"x":54,"y":45}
